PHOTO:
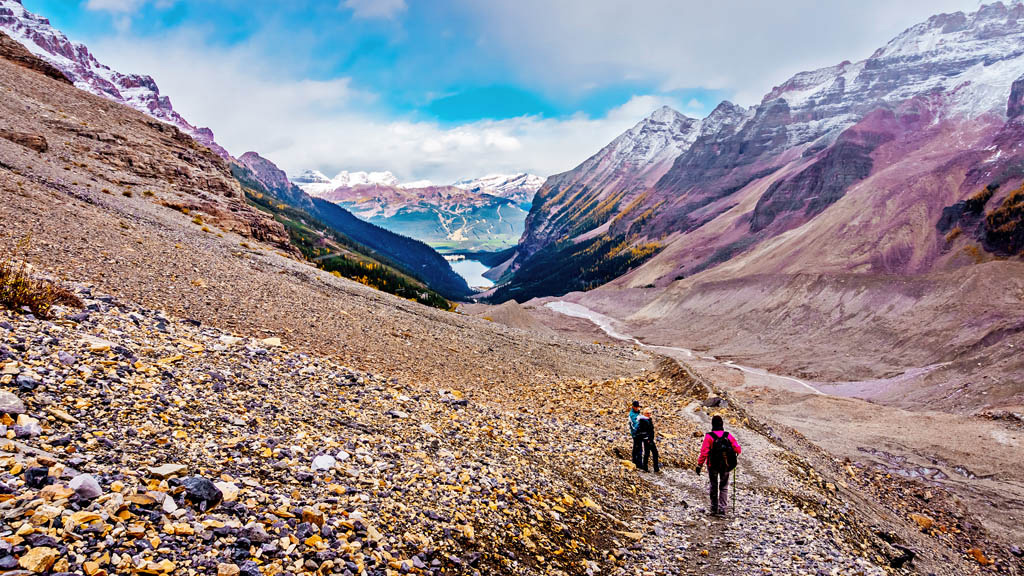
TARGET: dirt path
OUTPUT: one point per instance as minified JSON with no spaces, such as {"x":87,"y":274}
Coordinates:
{"x":807,"y":435}
{"x":768,"y":529}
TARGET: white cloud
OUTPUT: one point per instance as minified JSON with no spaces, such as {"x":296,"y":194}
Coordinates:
{"x":331,"y":125}
{"x":373,"y":9}
{"x":742,"y":48}
{"x":255,"y":103}
{"x":123,"y":10}
{"x":115,"y":5}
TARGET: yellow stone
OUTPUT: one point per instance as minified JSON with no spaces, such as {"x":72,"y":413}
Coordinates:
{"x":313,"y":516}
{"x":39,"y":560}
{"x":26,"y":420}
{"x":141,"y":500}
{"x":923,"y":521}
{"x":979,"y":556}
{"x":179,"y":529}
{"x":93,"y":569}
{"x":84,"y":517}
{"x":55,"y":492}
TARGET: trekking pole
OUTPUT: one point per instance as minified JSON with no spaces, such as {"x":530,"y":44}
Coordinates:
{"x":735,"y":487}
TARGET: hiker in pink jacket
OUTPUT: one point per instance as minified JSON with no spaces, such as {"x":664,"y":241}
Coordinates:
{"x":719,"y":450}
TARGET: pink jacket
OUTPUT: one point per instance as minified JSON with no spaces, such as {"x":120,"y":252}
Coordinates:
{"x":706,"y":446}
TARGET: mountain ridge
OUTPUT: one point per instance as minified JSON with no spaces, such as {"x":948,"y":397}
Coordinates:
{"x":77,"y":63}
{"x":462,"y":216}
{"x":954,"y":66}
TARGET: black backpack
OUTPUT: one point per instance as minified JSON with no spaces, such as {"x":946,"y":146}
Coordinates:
{"x":722,"y":456}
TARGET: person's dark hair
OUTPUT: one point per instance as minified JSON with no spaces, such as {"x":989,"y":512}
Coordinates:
{"x":636,"y":403}
{"x":716,"y":423}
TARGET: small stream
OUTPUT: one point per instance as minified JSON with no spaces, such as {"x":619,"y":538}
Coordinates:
{"x":607,"y":324}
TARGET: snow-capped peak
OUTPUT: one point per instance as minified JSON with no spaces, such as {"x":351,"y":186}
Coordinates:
{"x":351,"y":179}
{"x":970,"y":58}
{"x":311,"y":177}
{"x":661,"y":136}
{"x":519,"y":188}
{"x":81,"y":67}
{"x":416,"y":184}
{"x":316,"y":184}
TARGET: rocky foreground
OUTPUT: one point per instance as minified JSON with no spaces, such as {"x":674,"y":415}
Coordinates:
{"x":138,"y":443}
{"x":141,"y":444}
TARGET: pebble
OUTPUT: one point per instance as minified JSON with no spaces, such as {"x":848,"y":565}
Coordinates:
{"x":10,"y":403}
{"x":39,"y":560}
{"x":324,"y":462}
{"x":196,"y":450}
{"x":201,"y":493}
{"x":167,"y":470}
{"x":86,"y":487}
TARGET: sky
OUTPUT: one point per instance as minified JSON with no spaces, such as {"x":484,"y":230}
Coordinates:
{"x":448,"y":89}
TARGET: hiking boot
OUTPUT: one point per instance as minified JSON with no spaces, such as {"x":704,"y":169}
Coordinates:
{"x":713,"y":512}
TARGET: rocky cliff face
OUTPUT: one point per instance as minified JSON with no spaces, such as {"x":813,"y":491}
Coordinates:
{"x":274,"y":179}
{"x":14,"y":52}
{"x":1015,"y":106}
{"x":79,"y":65}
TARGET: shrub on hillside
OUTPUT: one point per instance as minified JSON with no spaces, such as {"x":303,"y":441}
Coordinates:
{"x":18,"y":290}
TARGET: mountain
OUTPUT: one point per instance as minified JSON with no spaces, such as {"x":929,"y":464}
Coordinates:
{"x":880,"y":202}
{"x":445,"y":217}
{"x":76,"y":63}
{"x":576,"y":201}
{"x":87,"y":73}
{"x":519,"y":188}
{"x":672,"y":175}
{"x":360,"y":249}
{"x":204,"y":401}
{"x":316,"y":183}
{"x":572,"y":213}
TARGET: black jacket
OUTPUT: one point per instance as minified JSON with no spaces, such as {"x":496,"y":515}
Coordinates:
{"x":645,"y":429}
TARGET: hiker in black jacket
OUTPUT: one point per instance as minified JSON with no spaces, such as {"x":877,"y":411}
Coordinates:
{"x":719,"y":450}
{"x":638,"y":446}
{"x":645,"y":432}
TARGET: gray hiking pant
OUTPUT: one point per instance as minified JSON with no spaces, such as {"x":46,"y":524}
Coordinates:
{"x":719,"y":490}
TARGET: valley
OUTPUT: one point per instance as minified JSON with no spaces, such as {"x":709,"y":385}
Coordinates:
{"x":937,"y":447}
{"x":485,"y":214}
{"x":210,"y":367}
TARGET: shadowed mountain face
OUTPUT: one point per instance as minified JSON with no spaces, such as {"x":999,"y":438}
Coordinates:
{"x":783,"y":163}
